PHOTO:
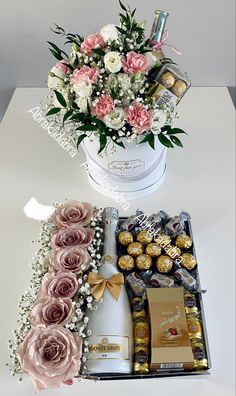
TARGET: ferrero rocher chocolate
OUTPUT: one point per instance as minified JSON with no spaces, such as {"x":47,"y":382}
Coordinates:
{"x":141,"y":331}
{"x":167,"y":79}
{"x":143,"y":262}
{"x":126,"y":262}
{"x":125,"y":238}
{"x":188,"y":261}
{"x":144,"y":237}
{"x":194,"y":328}
{"x":164,"y":264}
{"x":179,"y":88}
{"x":173,"y":251}
{"x":183,"y":241}
{"x":162,"y":240}
{"x":141,"y":365}
{"x":135,"y":249}
{"x":153,"y":250}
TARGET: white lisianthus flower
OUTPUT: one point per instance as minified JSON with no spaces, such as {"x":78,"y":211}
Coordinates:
{"x":83,"y":89}
{"x":56,"y":79}
{"x":83,"y":103}
{"x":111,"y":83}
{"x":152,"y":59}
{"x":116,"y":119}
{"x":159,"y":120}
{"x":109,"y":32}
{"x":124,"y":81}
{"x":113,"y":62}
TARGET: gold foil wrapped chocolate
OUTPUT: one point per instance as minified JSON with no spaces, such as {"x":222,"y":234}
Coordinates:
{"x":126,"y":262}
{"x":167,"y":79}
{"x":188,"y":261}
{"x":164,"y":264}
{"x":141,"y":332}
{"x":199,"y":353}
{"x":144,"y":237}
{"x":190,"y":303}
{"x":183,"y":241}
{"x":143,"y":262}
{"x":135,"y":249}
{"x":153,"y":250}
{"x":125,"y":238}
{"x":141,"y":358}
{"x":173,"y":251}
{"x":179,"y":88}
{"x":194,"y":328}
{"x":162,"y":240}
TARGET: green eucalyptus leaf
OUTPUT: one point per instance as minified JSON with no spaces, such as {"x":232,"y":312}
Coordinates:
{"x":55,"y":110}
{"x":67,"y":115}
{"x":99,"y":51}
{"x":56,"y":54}
{"x":60,"y":98}
{"x":102,"y":141}
{"x":176,"y":141}
{"x":174,"y":131}
{"x":57,"y":49}
{"x":80,"y":139}
{"x":164,"y":140}
{"x":87,"y":127}
{"x":119,"y":143}
{"x":122,"y":6}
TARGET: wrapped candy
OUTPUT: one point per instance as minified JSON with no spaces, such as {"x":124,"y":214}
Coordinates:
{"x":176,"y":226}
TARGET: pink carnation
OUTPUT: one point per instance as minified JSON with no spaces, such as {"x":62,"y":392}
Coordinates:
{"x":62,"y":65}
{"x":91,"y":42}
{"x":135,"y":63}
{"x":104,"y":106}
{"x":86,"y":73}
{"x":139,"y":117}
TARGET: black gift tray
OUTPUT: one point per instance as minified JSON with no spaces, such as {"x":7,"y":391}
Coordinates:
{"x":172,"y":373}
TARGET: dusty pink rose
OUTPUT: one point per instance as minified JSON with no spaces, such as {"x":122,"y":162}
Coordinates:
{"x":105,"y":105}
{"x":62,"y":65}
{"x":64,"y":284}
{"x":86,"y":73}
{"x":91,"y":42}
{"x":74,"y":259}
{"x":51,"y":355}
{"x":139,"y":117}
{"x":75,"y":235}
{"x":50,"y":310}
{"x":73,"y":213}
{"x":135,"y":63}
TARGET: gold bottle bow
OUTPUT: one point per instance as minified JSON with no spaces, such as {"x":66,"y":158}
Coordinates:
{"x":99,"y":284}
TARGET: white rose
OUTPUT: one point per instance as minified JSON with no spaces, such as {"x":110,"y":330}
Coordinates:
{"x":124,"y":81}
{"x":82,"y":103}
{"x":113,"y":62}
{"x":83,"y":89}
{"x":56,"y":79}
{"x":116,"y":119}
{"x":109,"y":32}
{"x":159,"y":120}
{"x":152,"y":59}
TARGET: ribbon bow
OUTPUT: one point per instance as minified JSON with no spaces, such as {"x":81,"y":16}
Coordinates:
{"x":99,"y":284}
{"x":157,"y":45}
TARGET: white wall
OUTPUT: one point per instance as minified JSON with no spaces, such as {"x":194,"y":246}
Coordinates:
{"x":203,"y":30}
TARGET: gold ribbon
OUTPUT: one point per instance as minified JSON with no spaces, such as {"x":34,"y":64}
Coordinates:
{"x":99,"y":284}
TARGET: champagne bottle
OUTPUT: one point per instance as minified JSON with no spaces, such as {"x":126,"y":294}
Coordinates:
{"x":158,"y":28}
{"x":111,"y":342}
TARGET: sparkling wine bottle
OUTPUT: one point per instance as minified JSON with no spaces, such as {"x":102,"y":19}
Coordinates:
{"x":158,"y":28}
{"x":111,"y":342}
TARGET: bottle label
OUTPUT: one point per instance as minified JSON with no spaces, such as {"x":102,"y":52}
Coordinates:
{"x":108,"y":347}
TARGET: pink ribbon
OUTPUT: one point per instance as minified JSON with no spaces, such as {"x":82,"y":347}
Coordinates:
{"x":157,"y":45}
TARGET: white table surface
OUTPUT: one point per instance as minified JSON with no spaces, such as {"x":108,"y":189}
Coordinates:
{"x":200,"y":180}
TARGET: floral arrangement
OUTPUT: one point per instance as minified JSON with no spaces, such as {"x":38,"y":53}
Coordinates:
{"x":101,"y":90}
{"x":50,"y":343}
